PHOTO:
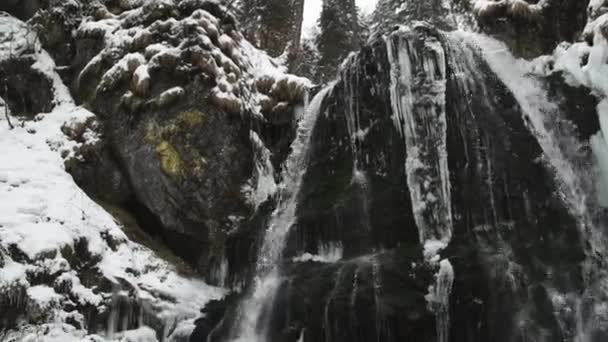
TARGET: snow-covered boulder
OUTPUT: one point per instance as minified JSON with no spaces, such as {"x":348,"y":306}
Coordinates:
{"x":68,"y":269}
{"x":177,"y":92}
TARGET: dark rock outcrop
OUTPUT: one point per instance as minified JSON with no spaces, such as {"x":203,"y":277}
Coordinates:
{"x":533,"y":28}
{"x":26,"y":90}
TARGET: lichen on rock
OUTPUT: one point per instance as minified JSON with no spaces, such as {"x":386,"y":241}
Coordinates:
{"x":170,"y":161}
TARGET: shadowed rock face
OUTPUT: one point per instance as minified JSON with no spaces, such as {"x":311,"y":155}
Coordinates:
{"x":26,"y":90}
{"x":21,"y":9}
{"x":530,"y":32}
{"x":514,"y":246}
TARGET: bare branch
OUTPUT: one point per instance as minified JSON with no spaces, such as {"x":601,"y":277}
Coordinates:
{"x":8,"y":119}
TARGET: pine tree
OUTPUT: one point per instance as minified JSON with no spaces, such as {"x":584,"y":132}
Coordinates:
{"x":308,"y":61}
{"x":273,"y":25}
{"x":339,"y":35}
{"x":443,"y":14}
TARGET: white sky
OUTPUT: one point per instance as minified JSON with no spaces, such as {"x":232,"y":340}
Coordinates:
{"x":312,"y":11}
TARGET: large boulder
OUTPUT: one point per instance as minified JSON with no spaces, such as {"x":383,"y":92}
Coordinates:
{"x":190,"y":112}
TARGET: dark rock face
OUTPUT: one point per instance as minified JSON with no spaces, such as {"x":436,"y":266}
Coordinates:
{"x":21,"y":9}
{"x":531,"y":31}
{"x":515,"y":247}
{"x":95,"y":168}
{"x":507,"y":216}
{"x":377,"y":297}
{"x":26,"y":90}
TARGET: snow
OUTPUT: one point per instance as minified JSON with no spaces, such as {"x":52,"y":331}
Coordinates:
{"x":15,"y":37}
{"x":12,"y":273}
{"x":143,"y":334}
{"x":48,"y":214}
{"x":432,"y":248}
{"x":328,"y":253}
{"x":43,"y":295}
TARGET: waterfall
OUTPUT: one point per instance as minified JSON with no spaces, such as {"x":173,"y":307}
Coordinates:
{"x":561,"y":154}
{"x":250,"y":325}
{"x":418,"y":99}
{"x":350,"y":73}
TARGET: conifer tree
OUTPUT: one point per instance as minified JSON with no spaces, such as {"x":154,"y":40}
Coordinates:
{"x":273,"y":25}
{"x":339,"y":35}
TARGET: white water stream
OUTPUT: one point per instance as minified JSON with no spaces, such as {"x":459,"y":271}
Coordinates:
{"x":251,"y":326}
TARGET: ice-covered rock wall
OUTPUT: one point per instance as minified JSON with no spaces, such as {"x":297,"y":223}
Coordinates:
{"x":513,"y":163}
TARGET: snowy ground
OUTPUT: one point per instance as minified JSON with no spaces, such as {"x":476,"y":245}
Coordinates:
{"x":45,"y":219}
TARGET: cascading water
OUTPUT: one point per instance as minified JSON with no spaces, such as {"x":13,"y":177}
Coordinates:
{"x":562,"y":154}
{"x":418,"y":87}
{"x":251,"y":325}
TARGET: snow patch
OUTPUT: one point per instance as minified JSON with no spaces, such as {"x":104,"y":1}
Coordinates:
{"x":328,"y":253}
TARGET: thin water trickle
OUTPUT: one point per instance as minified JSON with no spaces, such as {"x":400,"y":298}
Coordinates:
{"x":250,"y":325}
{"x":561,"y":150}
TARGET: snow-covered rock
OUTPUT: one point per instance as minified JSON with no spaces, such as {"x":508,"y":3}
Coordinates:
{"x":66,"y":267}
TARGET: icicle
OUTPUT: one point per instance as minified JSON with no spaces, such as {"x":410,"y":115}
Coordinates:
{"x":600,"y":150}
{"x":349,"y":74}
{"x":264,"y":182}
{"x":418,"y":85}
{"x":377,"y":281}
{"x":419,"y":116}
{"x":439,"y":299}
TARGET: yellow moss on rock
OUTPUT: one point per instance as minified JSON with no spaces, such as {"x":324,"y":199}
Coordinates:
{"x":163,"y":138}
{"x":170,"y":161}
{"x":191,"y":118}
